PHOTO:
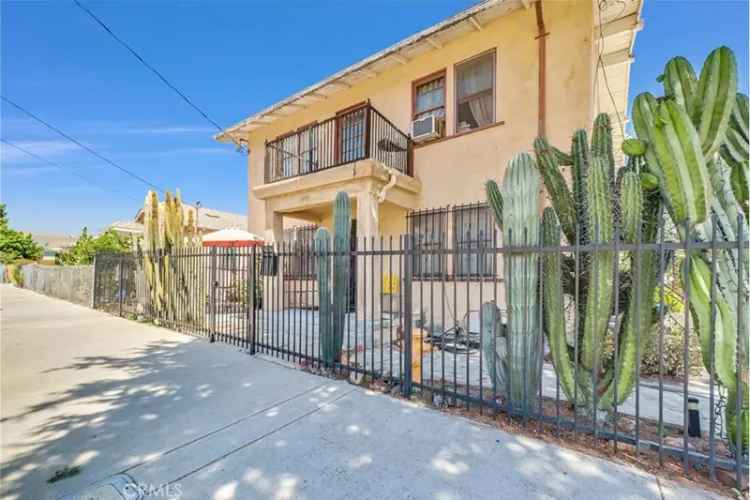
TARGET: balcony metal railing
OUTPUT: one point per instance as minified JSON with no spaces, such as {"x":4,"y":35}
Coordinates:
{"x":350,"y":136}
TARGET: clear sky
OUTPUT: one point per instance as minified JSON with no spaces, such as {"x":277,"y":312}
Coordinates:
{"x":60,"y":65}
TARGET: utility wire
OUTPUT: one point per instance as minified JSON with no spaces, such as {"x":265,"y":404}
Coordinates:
{"x":83,"y":146}
{"x":157,"y":73}
{"x":61,"y":167}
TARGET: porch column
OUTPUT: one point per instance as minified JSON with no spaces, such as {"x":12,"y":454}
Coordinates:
{"x":369,"y":279}
{"x":274,"y":226}
{"x":273,"y":285}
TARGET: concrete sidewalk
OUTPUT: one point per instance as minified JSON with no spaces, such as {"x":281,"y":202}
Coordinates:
{"x":189,"y":420}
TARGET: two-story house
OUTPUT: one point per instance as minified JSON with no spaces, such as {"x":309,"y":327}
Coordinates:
{"x":414,"y":131}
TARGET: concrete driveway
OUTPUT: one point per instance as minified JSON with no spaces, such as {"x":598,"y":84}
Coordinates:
{"x":185,"y":419}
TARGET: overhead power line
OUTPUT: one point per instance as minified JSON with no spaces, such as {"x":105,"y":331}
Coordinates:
{"x":68,"y":170}
{"x":156,"y":72}
{"x":83,"y":146}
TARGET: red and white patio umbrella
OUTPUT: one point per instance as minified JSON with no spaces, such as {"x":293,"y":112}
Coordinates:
{"x":231,"y":238}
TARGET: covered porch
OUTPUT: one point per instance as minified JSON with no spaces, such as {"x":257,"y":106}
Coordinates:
{"x":380,"y":200}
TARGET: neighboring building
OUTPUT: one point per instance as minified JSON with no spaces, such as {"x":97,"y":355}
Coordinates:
{"x":207,"y":220}
{"x":127,"y":228}
{"x":53,"y":244}
{"x":413,"y":132}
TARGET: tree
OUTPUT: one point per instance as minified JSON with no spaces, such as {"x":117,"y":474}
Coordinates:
{"x":15,"y":245}
{"x":88,"y":246}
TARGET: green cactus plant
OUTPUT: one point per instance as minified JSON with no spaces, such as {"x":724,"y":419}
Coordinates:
{"x":736,"y":151}
{"x":516,"y":210}
{"x":493,"y":346}
{"x":322,"y":242}
{"x":706,"y":201}
{"x":333,"y":290}
{"x":166,"y":230}
{"x":586,"y":215}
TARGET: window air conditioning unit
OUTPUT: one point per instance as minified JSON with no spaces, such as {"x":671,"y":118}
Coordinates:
{"x":425,"y":128}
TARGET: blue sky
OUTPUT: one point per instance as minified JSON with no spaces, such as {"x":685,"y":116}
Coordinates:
{"x":63,"y":67}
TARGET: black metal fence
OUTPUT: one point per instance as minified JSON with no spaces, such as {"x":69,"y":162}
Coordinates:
{"x":423,"y":332}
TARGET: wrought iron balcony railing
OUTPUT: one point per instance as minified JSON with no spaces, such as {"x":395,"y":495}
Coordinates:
{"x":350,"y":136}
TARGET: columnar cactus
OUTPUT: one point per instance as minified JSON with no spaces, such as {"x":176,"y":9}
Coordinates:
{"x":736,"y":151}
{"x":516,"y":210}
{"x":683,"y":132}
{"x":588,"y":214}
{"x":322,"y":247}
{"x":165,"y":230}
{"x":333,"y":299}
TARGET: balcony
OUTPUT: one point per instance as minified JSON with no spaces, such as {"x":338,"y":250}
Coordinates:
{"x":357,"y":134}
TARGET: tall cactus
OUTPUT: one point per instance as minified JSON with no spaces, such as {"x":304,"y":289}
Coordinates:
{"x":166,"y":230}
{"x":706,"y":116}
{"x":516,"y":210}
{"x":736,"y":151}
{"x":586,"y":213}
{"x":334,"y":291}
{"x":322,"y":245}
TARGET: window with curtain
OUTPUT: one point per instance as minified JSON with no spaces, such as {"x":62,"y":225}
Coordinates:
{"x":474,"y":235}
{"x":429,"y":233}
{"x":429,"y":98}
{"x":475,"y":92}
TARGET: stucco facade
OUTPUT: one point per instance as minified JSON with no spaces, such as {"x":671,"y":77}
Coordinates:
{"x":453,"y":169}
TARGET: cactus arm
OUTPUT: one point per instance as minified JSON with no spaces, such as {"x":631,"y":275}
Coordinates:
{"x":495,"y":202}
{"x":341,"y":264}
{"x":557,"y":188}
{"x":554,"y":307}
{"x":580,"y":152}
{"x":681,"y":84}
{"x":725,"y":330}
{"x":631,"y":205}
{"x":736,"y":152}
{"x":740,"y":116}
{"x":520,"y":193}
{"x":491,"y":344}
{"x":740,"y":178}
{"x":601,"y":142}
{"x":599,"y":299}
{"x":725,"y":205}
{"x":675,"y":157}
{"x":731,"y":417}
{"x":562,"y":157}
{"x":321,"y":242}
{"x":717,"y":88}
{"x":638,"y":313}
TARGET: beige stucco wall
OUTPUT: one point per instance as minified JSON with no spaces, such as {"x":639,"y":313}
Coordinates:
{"x":454,"y":170}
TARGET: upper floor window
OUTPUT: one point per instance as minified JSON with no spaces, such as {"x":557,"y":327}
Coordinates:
{"x":475,"y":92}
{"x":429,"y":96}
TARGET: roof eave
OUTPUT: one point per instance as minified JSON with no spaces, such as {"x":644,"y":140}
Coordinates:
{"x":467,"y":14}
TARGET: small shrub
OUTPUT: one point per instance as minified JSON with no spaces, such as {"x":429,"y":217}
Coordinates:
{"x":672,"y":352}
{"x":18,"y":276}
